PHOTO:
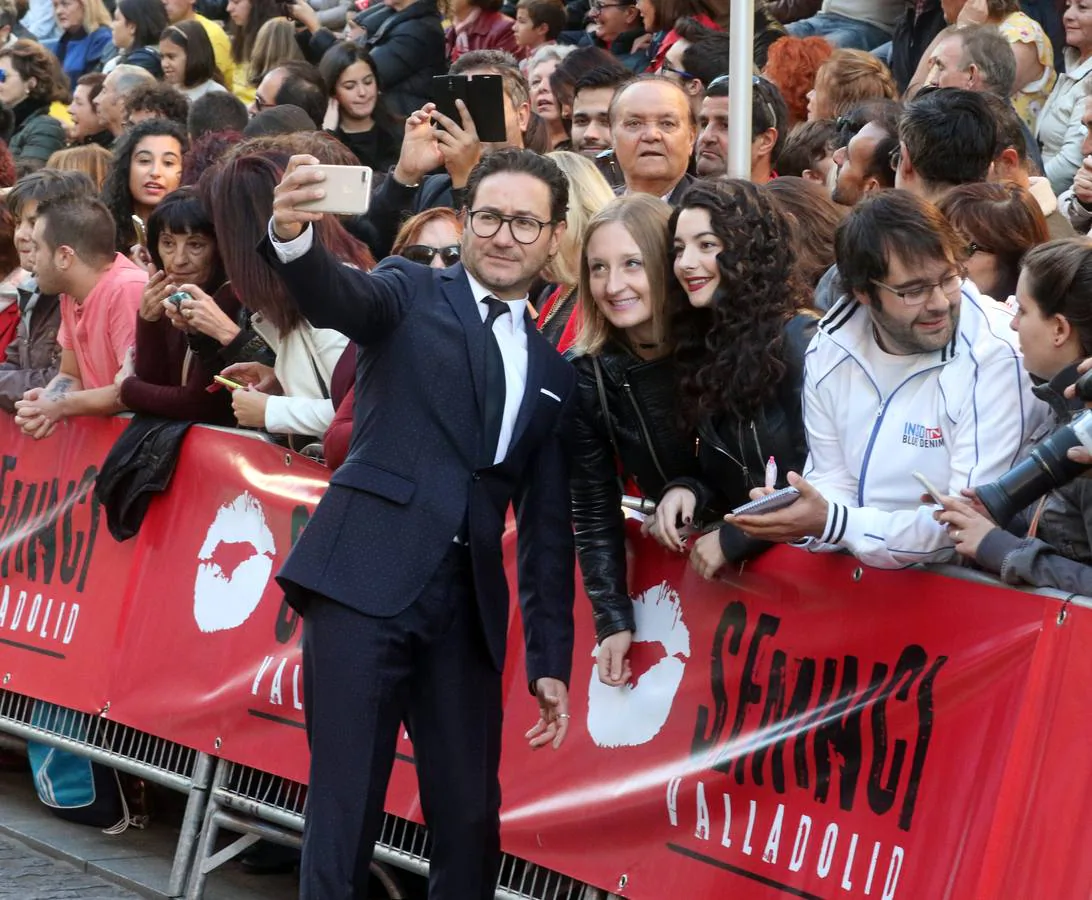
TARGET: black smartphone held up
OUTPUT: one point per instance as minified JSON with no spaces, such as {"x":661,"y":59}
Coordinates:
{"x":484,"y":99}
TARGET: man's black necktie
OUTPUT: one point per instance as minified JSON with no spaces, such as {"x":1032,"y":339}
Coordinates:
{"x":494,"y":381}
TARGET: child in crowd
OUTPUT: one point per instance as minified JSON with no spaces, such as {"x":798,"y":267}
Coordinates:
{"x":538,"y":23}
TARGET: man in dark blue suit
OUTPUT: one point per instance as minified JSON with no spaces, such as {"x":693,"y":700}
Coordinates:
{"x":460,"y":410}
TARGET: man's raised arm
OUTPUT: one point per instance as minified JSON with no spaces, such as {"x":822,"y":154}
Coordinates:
{"x":329,"y":293}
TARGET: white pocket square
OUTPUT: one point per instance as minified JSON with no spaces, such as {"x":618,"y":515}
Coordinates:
{"x":551,"y":395}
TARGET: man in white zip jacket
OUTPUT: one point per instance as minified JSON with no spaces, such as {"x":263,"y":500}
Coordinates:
{"x":912,"y":370}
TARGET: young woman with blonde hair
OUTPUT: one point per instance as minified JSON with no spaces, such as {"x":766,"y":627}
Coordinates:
{"x":847,"y":79}
{"x":625,"y":420}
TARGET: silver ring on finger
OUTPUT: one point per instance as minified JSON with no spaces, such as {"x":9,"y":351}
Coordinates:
{"x":955,"y":535}
{"x":564,"y":716}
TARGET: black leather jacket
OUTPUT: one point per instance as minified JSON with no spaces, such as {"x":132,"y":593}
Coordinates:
{"x":651,"y":449}
{"x":732,"y":454}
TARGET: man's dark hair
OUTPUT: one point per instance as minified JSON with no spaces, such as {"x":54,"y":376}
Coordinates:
{"x":161,"y":100}
{"x":285,"y":118}
{"x":49,"y":185}
{"x":768,"y":108}
{"x":303,"y":87}
{"x":984,"y":46}
{"x":691,"y":29}
{"x":885,"y":115}
{"x":890,"y":223}
{"x":805,"y":147}
{"x":218,"y":111}
{"x":551,"y":13}
{"x":501,"y":62}
{"x":950,"y":136}
{"x":583,"y":61}
{"x":524,"y":162}
{"x":884,"y":112}
{"x":1010,"y":128}
{"x":708,"y":57}
{"x":82,"y":223}
{"x":602,"y":77}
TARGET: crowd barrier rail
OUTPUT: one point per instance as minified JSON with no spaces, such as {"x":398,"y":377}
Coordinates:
{"x":802,"y":727}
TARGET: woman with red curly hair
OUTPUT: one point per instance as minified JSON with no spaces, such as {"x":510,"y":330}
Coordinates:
{"x":792,"y":65}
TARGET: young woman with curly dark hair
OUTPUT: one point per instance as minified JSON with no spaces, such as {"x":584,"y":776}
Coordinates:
{"x":147,"y":166}
{"x":625,"y":419}
{"x":739,"y":359}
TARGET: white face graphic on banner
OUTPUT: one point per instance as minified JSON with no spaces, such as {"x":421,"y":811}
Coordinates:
{"x":236,"y":561}
{"x":634,"y":713}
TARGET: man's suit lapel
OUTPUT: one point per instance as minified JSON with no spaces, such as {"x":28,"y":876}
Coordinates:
{"x":457,"y":292}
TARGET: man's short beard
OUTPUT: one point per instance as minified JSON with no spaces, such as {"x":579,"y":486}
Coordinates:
{"x":899,"y":339}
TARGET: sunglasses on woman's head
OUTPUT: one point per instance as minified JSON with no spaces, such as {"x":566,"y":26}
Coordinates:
{"x":422,"y":253}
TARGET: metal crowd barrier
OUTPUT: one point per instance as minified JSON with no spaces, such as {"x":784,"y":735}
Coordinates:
{"x":225,"y":796}
{"x":258,"y":805}
{"x":97,"y":738}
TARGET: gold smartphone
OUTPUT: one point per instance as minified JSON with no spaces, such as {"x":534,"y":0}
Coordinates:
{"x":141,"y":232}
{"x":348,"y":190}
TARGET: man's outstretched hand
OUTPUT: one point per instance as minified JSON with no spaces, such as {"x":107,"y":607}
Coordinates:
{"x":553,"y":714}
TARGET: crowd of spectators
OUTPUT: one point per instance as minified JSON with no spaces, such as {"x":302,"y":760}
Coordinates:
{"x":899,"y":284}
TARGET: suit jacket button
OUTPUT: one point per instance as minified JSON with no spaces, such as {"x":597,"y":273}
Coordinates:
{"x":477,"y":476}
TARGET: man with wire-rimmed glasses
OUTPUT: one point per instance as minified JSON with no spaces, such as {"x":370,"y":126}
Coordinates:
{"x":460,"y":410}
{"x":616,"y":26}
{"x":769,"y":126}
{"x":911,"y":371}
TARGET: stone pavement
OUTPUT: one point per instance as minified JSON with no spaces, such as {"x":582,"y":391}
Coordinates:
{"x":28,"y":875}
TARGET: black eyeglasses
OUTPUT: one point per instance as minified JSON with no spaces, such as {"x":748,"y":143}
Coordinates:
{"x":974,"y":247}
{"x":682,"y":73}
{"x":756,"y":81}
{"x":525,"y":230}
{"x":596,"y":7}
{"x":424,"y":254}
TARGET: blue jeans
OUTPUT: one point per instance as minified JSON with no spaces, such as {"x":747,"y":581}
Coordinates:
{"x":840,"y":31}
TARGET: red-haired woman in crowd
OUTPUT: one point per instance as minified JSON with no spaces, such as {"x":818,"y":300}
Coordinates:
{"x":293,"y":396}
{"x":792,"y":65}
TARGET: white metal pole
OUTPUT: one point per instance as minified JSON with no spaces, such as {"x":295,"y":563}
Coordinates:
{"x":741,"y":68}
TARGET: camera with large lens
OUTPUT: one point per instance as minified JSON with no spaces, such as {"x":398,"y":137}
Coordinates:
{"x":1047,"y":466}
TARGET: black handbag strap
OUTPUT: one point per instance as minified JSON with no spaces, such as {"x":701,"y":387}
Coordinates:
{"x":601,"y":390}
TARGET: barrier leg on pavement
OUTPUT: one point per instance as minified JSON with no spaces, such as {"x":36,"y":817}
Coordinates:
{"x":122,"y":748}
{"x":260,"y":805}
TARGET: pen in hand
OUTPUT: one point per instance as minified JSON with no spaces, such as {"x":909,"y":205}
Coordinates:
{"x":771,"y":472}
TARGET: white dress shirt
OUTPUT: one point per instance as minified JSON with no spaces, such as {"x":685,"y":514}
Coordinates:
{"x":510,"y":331}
